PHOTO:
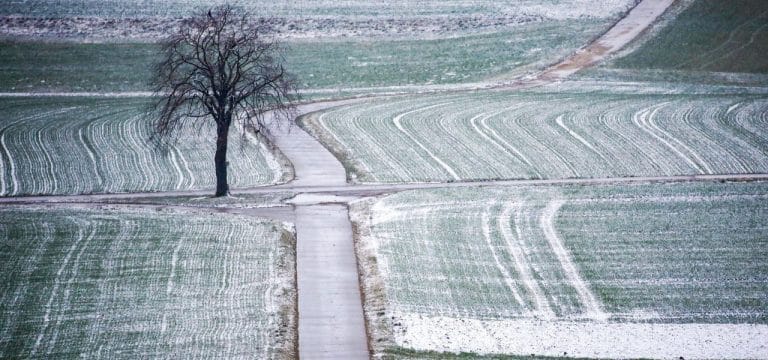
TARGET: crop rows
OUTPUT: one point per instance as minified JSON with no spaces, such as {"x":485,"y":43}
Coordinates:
{"x":547,"y":135}
{"x":106,"y":284}
{"x":72,"y":146}
{"x":460,"y":269}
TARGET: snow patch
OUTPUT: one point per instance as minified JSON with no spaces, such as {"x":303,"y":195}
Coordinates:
{"x":582,"y":339}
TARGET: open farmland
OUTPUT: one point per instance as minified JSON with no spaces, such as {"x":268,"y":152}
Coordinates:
{"x":708,"y":35}
{"x":109,"y":46}
{"x":351,"y":8}
{"x":143,"y":20}
{"x":90,"y":145}
{"x":701,"y":41}
{"x":655,"y":270}
{"x":319,"y":64}
{"x":117,"y":284}
{"x":501,"y":135}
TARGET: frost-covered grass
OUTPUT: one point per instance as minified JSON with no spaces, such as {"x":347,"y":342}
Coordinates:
{"x":546,"y":135}
{"x":351,"y":64}
{"x":654,"y":270}
{"x":117,"y":284}
{"x":318,"y":64}
{"x":345,"y":45}
{"x":92,"y":145}
{"x":317,"y":8}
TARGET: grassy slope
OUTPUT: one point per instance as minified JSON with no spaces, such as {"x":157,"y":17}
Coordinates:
{"x":109,"y":284}
{"x":697,"y":42}
{"x":44,"y":66}
{"x":710,"y":35}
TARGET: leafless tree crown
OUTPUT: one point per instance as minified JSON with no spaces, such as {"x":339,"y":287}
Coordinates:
{"x":219,"y":65}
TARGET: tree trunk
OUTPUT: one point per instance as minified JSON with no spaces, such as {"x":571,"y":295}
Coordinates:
{"x":222,"y":187}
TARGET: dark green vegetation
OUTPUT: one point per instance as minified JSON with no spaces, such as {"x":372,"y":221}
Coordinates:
{"x":710,"y":35}
{"x":47,"y":66}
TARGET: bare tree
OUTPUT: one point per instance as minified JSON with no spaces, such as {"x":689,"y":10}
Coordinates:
{"x":219,"y":66}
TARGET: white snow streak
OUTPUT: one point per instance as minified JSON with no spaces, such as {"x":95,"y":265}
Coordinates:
{"x":92,"y":156}
{"x":12,"y":168}
{"x":179,"y":173}
{"x":68,"y":289}
{"x":592,"y":307}
{"x":732,"y":107}
{"x":508,"y":145}
{"x":521,"y":264}
{"x":508,"y":280}
{"x":686,"y":147}
{"x":397,"y":119}
{"x":641,"y":119}
{"x":54,"y":291}
{"x":186,"y":167}
{"x":171,"y":276}
{"x":559,"y":121}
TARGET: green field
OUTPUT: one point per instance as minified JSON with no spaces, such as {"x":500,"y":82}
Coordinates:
{"x":677,"y":254}
{"x":125,"y":284}
{"x":320,"y":64}
{"x":546,"y":135}
{"x":697,"y":41}
{"x":709,"y":35}
{"x":66,"y":145}
{"x":314,"y":8}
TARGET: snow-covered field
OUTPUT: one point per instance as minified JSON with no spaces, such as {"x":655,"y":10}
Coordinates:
{"x":557,"y":134}
{"x":125,"y":284}
{"x":88,"y":145}
{"x":136,"y":19}
{"x":642,"y":271}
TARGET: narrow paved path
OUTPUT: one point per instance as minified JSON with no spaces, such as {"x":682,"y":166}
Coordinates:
{"x":331,"y":323}
{"x":313,"y":165}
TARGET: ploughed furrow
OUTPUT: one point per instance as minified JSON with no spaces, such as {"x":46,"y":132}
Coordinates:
{"x":548,"y":135}
{"x":600,"y":271}
{"x":60,"y":146}
{"x":88,"y":283}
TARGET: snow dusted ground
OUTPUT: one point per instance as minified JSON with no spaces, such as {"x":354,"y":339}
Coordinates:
{"x":59,"y":146}
{"x":568,"y":130}
{"x":87,"y":19}
{"x":639,"y":271}
{"x":102,"y":283}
